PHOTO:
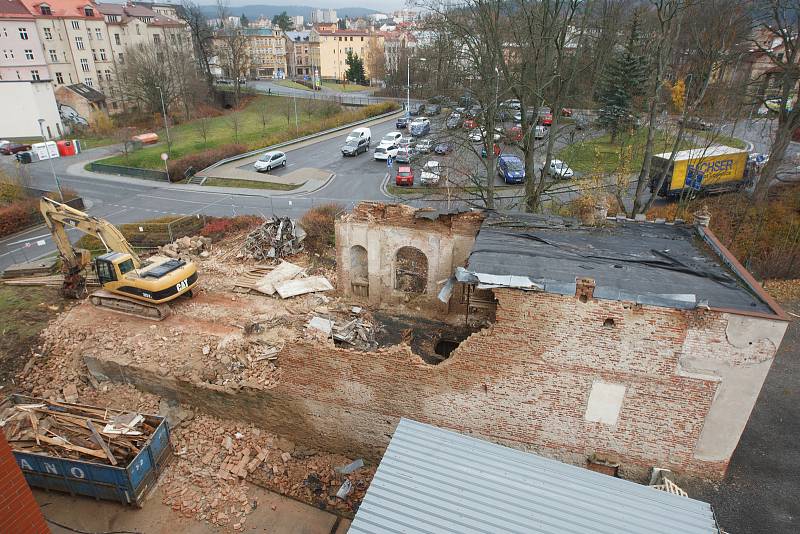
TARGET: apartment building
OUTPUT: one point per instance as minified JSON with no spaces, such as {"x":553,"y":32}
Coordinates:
{"x":397,"y":47}
{"x":22,"y":56}
{"x":267,"y":51}
{"x":324,"y":15}
{"x":300,"y":53}
{"x":335,"y":44}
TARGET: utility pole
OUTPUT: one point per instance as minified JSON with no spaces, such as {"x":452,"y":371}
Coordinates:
{"x":164,"y":111}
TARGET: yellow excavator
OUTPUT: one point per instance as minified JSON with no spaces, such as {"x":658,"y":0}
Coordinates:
{"x":129,"y":285}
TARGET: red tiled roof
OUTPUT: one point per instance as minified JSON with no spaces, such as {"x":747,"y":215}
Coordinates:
{"x":63,"y":8}
{"x":15,"y":9}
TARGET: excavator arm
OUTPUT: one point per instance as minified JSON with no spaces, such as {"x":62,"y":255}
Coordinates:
{"x":58,"y":216}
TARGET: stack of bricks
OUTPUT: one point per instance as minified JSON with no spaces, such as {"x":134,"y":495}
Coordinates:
{"x":19,"y":512}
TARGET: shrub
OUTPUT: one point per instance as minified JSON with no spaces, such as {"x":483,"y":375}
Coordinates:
{"x":202,"y":159}
{"x":318,"y":223}
{"x":19,"y":215}
{"x":218,"y":227}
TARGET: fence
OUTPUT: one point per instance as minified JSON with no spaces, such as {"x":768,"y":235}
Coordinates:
{"x":146,"y":174}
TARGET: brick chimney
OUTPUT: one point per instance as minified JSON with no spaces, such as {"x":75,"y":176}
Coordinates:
{"x":584,"y":288}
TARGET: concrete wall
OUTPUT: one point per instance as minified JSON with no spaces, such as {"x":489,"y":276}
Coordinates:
{"x":32,"y":101}
{"x":638,"y":385}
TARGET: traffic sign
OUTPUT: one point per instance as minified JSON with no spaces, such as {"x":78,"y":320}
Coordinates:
{"x":694,"y":178}
{"x":389,"y":162}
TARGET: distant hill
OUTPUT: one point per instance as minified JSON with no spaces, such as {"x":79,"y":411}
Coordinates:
{"x":258,"y":10}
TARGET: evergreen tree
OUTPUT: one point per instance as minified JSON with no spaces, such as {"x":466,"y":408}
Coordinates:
{"x":355,"y":69}
{"x":244,"y":21}
{"x":282,"y":21}
{"x":622,"y":81}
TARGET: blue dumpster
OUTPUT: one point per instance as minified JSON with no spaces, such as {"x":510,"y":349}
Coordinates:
{"x":125,"y":484}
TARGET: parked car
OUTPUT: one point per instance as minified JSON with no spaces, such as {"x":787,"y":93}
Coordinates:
{"x":476,"y":135}
{"x":433,"y":109}
{"x":512,"y":103}
{"x":4,"y":142}
{"x":559,"y":169}
{"x":416,"y":109}
{"x":383,"y":152}
{"x":539,"y":132}
{"x":424,"y":146}
{"x":566,"y":112}
{"x":404,"y":176}
{"x":13,"y":148}
{"x":354,"y":147}
{"x":511,"y":169}
{"x":496,"y":150}
{"x":580,"y":123}
{"x":546,"y":119}
{"x":443,"y":148}
{"x":696,"y":123}
{"x":470,"y":124}
{"x":401,"y":123}
{"x":514,"y":134}
{"x":453,"y":121}
{"x":421,"y":126}
{"x":390,"y":138}
{"x":432,"y":173}
{"x":405,"y":154}
{"x":269,"y":161}
{"x":361,"y":133}
{"x":406,"y":140}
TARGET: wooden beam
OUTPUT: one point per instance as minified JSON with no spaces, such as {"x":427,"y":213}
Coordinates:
{"x":99,"y":440}
{"x":69,"y":446}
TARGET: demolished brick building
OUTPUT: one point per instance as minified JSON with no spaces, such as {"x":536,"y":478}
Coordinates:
{"x":639,"y":343}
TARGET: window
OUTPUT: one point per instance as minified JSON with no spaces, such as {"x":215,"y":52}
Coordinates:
{"x":121,"y":58}
{"x":59,"y":78}
{"x":76,"y":25}
{"x":88,"y":82}
{"x":116,"y":39}
{"x":94,"y":54}
{"x":5,"y":33}
{"x":53,"y":56}
{"x":98,"y":33}
{"x":11,"y":54}
{"x":5,"y":54}
{"x":85,"y":65}
{"x":100,"y":76}
{"x":160,"y":56}
{"x":18,"y":76}
{"x":156,"y":39}
{"x":172,"y":36}
{"x":108,"y":75}
{"x":45,"y":9}
{"x":35,"y":75}
{"x":126,"y":266}
{"x":88,"y":11}
{"x":23,"y":34}
{"x":103,"y":56}
{"x":70,"y":77}
{"x":29,"y":55}
{"x":79,"y":43}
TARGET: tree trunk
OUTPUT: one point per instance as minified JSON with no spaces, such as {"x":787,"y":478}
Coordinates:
{"x":777,"y":152}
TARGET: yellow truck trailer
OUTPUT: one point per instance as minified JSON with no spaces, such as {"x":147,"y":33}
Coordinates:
{"x":710,"y":169}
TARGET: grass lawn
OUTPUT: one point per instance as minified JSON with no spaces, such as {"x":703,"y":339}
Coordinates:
{"x":291,"y":84}
{"x":717,"y":138}
{"x":187,"y":137}
{"x":627,"y":153}
{"x":341,"y":88}
{"x":24,"y":312}
{"x":225,"y":182}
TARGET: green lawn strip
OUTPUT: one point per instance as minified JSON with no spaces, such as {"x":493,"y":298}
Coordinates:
{"x":342,"y":88}
{"x":225,"y":182}
{"x":254,"y":130}
{"x":600,"y":155}
{"x":291,"y":84}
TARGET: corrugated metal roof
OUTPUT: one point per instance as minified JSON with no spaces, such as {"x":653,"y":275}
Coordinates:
{"x":438,"y":481}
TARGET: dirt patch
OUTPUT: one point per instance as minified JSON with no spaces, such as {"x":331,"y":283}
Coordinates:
{"x":24,"y":312}
{"x":433,"y":341}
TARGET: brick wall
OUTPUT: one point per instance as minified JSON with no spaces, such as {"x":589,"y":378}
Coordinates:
{"x":19,"y":512}
{"x":542,"y":378}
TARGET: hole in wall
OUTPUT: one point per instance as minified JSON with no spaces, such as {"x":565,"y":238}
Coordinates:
{"x":608,"y":323}
{"x":445,"y":347}
{"x":583,"y":298}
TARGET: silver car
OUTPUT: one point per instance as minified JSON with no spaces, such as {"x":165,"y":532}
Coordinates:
{"x":269,"y":161}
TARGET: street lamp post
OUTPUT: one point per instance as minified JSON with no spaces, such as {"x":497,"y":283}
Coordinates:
{"x":408,"y":84}
{"x":50,"y":160}
{"x":164,"y":111}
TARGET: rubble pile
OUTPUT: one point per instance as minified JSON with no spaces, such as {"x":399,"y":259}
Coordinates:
{"x":244,"y":362}
{"x":194,"y":246}
{"x":277,"y":238}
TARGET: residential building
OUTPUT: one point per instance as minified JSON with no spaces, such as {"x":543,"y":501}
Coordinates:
{"x":267,"y":51}
{"x":300,"y":51}
{"x":398,"y":46}
{"x":24,"y":103}
{"x":79,"y":104}
{"x":172,"y":11}
{"x":22,"y":56}
{"x":324,"y":15}
{"x":73,"y":34}
{"x":297,"y":22}
{"x":334,"y":46}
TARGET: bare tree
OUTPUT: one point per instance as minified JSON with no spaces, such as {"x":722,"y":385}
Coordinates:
{"x":375,"y":60}
{"x":235,"y":122}
{"x":779,"y":29}
{"x":202,"y":38}
{"x":233,"y":50}
{"x":203,"y":126}
{"x":147,"y":76}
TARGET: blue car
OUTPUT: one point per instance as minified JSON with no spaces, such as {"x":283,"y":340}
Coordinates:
{"x":401,"y":123}
{"x":511,"y":169}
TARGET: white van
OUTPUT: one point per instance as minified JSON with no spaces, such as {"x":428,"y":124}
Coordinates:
{"x":361,"y":133}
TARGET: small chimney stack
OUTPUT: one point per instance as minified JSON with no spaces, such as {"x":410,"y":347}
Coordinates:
{"x":584,"y":289}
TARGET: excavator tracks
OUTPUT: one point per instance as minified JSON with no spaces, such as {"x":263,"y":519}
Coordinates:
{"x":129,"y":306}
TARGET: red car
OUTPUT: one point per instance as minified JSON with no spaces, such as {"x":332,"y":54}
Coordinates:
{"x":13,"y":148}
{"x":514,"y":134}
{"x":470,"y":124}
{"x":566,"y":112}
{"x":405,"y":176}
{"x":546,"y":119}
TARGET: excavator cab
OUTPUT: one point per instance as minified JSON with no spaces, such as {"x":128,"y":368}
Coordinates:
{"x":112,"y":266}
